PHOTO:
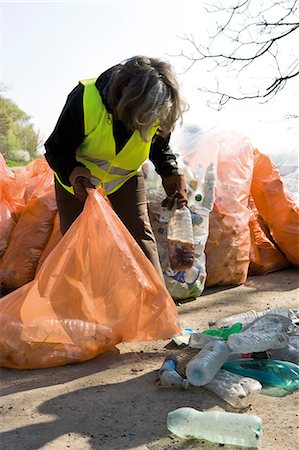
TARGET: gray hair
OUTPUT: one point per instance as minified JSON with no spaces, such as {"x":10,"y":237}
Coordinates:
{"x":143,"y":90}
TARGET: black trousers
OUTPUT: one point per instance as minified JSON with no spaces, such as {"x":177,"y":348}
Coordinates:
{"x":130,"y":204}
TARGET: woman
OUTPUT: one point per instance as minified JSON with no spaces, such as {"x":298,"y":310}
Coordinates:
{"x":108,"y":127}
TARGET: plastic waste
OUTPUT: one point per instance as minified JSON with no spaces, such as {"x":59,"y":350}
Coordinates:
{"x":234,"y":389}
{"x":209,"y":187}
{"x":269,"y":372}
{"x":184,"y":337}
{"x":224,"y":333}
{"x":204,"y":366}
{"x":228,"y":246}
{"x":276,"y":206}
{"x":249,"y":317}
{"x":29,"y":237}
{"x":199,"y":340}
{"x":127,"y":296}
{"x":214,"y":426}
{"x":168,"y":376}
{"x":180,"y":239}
{"x":288,"y":353}
{"x":268,"y":331}
{"x":265,"y":257}
{"x":200,"y":221}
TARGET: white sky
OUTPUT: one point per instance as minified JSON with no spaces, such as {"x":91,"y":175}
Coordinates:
{"x":47,"y":46}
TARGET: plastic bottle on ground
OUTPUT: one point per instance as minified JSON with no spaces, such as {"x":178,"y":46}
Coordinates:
{"x":214,"y":426}
{"x":180,"y":239}
{"x":204,"y":366}
{"x":288,"y":353}
{"x":269,"y":372}
{"x":236,"y":390}
{"x":249,"y":316}
{"x":199,"y":340}
{"x":268,"y":331}
{"x":169,"y":377}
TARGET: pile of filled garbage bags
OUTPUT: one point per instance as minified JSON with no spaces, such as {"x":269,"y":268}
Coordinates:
{"x":250,"y":226}
{"x":55,"y":290}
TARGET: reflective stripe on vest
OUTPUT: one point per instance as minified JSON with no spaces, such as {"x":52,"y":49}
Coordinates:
{"x":98,"y":149}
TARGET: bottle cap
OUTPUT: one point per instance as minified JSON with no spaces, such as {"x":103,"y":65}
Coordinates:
{"x":198,"y":197}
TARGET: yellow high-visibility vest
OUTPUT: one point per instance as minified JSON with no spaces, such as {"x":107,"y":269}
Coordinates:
{"x":98,"y":150}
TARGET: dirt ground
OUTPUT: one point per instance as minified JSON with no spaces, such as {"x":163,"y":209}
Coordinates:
{"x":113,"y":401}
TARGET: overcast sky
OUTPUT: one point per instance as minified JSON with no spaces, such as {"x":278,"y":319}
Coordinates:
{"x":47,"y":46}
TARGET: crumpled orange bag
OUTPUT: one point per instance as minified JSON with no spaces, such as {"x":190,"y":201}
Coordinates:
{"x":52,"y":242}
{"x":29,"y":237}
{"x":276,"y":206}
{"x":11,"y":203}
{"x":94,"y":290}
{"x":265,"y":257}
{"x":33,"y":177}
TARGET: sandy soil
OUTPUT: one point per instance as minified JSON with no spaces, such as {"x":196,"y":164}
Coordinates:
{"x":114,"y":402}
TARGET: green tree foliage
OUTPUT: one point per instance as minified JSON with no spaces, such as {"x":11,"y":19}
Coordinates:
{"x":18,"y":140}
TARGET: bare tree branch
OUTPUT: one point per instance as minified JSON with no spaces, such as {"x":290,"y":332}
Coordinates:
{"x":254,"y":37}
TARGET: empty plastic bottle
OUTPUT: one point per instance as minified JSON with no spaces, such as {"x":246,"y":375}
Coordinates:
{"x":191,"y":275}
{"x":204,"y":366}
{"x":199,"y":340}
{"x":180,"y":239}
{"x":234,"y":389}
{"x":288,"y":353}
{"x":268,"y":331}
{"x":208,"y":187}
{"x":169,"y":377}
{"x":250,"y":316}
{"x":269,"y":372}
{"x":214,"y":426}
{"x":200,"y":221}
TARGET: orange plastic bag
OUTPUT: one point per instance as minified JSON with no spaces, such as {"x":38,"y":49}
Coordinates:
{"x":276,"y":206}
{"x":228,"y":245}
{"x":34,"y":177}
{"x":11,"y":203}
{"x":52,"y":242}
{"x":28,"y":240}
{"x":95,"y":290}
{"x":265,"y":257}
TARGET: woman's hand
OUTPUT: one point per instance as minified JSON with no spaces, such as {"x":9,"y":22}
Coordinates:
{"x":80,"y":179}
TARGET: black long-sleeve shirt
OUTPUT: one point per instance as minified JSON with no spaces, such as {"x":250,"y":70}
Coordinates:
{"x":68,"y":134}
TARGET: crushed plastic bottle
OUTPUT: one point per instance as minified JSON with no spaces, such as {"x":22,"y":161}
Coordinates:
{"x":268,"y":331}
{"x":269,"y":372}
{"x":224,"y":333}
{"x":180,"y":239}
{"x":199,"y":340}
{"x":204,"y":366}
{"x":214,"y":426}
{"x":250,"y":316}
{"x":169,"y":377}
{"x":236,"y":390}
